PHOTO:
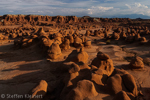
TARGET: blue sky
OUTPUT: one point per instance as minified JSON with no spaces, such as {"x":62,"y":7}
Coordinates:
{"x":93,"y":8}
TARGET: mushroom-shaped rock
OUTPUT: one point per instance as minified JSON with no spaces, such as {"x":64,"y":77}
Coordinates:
{"x":87,"y":43}
{"x":65,"y":45}
{"x":76,"y":74}
{"x":143,"y":40}
{"x":114,"y":84}
{"x":102,"y":56}
{"x":77,"y":42}
{"x":146,"y":61}
{"x":74,"y":68}
{"x":137,"y":37}
{"x":136,"y":63}
{"x":122,"y":95}
{"x":83,"y":38}
{"x":13,"y":35}
{"x":87,"y":33}
{"x":71,"y":39}
{"x":54,"y":51}
{"x":130,"y":84}
{"x":82,"y":56}
{"x":46,"y":43}
{"x":58,"y":40}
{"x":84,"y":89}
{"x":39,"y":91}
{"x":104,"y":64}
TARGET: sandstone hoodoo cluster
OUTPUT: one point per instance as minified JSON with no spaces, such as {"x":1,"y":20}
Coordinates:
{"x":131,"y":34}
{"x":37,"y":19}
{"x":122,"y":82}
{"x":103,"y":61}
{"x":82,"y":81}
{"x":136,"y":63}
{"x":80,"y":54}
{"x":53,"y":44}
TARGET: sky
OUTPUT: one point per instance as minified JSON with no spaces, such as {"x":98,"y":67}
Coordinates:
{"x":79,"y":8}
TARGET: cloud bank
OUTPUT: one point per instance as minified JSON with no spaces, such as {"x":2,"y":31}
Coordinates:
{"x":94,"y":8}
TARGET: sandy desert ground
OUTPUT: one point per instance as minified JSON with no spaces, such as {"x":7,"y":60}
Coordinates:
{"x":70,"y":58}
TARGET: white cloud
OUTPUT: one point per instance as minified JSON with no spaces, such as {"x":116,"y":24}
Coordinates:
{"x":128,"y":6}
{"x":90,"y":12}
{"x":105,"y":8}
{"x":140,"y":5}
{"x":136,"y":5}
{"x":98,"y":9}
